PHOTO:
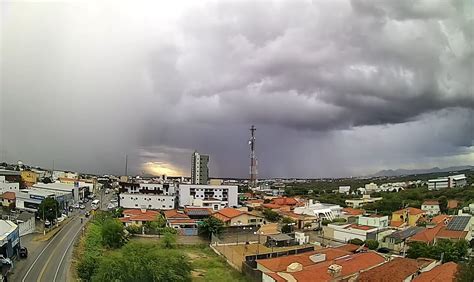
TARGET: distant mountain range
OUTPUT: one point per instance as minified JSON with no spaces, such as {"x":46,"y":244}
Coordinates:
{"x":400,"y":172}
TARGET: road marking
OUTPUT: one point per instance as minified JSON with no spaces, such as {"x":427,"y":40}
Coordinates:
{"x":65,"y":252}
{"x":34,"y":262}
{"x":51,"y":256}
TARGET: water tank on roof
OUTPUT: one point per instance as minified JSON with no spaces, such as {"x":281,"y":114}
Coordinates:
{"x":294,"y":267}
{"x":318,"y":258}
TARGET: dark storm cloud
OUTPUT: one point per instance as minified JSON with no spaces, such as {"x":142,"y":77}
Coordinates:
{"x":319,"y":79}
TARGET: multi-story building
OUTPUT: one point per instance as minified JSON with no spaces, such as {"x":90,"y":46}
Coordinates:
{"x":199,"y":169}
{"x":320,"y":210}
{"x":344,"y":189}
{"x":154,"y":196}
{"x":452,"y":181}
{"x":29,"y":178}
{"x":374,"y":220}
{"x":6,"y":186}
{"x":214,"y":197}
{"x":431,"y":207}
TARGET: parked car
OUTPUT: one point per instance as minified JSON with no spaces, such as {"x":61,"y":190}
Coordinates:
{"x":91,"y":196}
{"x":23,"y":252}
{"x":47,"y":223}
{"x":107,"y":191}
{"x":87,"y":214}
{"x":82,"y":207}
{"x":86,"y":200}
{"x":76,"y":206}
{"x":81,"y":202}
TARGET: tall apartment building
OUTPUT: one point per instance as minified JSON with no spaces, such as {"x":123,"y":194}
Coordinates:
{"x":214,"y":197}
{"x":199,"y":169}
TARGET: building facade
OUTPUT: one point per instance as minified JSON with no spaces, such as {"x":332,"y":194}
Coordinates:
{"x":431,"y":207}
{"x":199,"y":168}
{"x":6,"y":186}
{"x":214,"y":197}
{"x":29,"y":178}
{"x":154,"y":196}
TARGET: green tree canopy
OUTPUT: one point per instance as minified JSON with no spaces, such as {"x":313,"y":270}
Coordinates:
{"x":211,"y":225}
{"x":466,"y":271}
{"x":49,"y":208}
{"x":112,"y":233}
{"x":450,"y":250}
{"x":372,"y":244}
{"x":144,"y":262}
{"x":271,"y":215}
{"x":169,"y":240}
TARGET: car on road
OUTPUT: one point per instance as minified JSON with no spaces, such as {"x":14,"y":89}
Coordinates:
{"x":87,"y":214}
{"x":81,"y":202}
{"x":23,"y":252}
{"x":86,"y":200}
{"x":91,"y":196}
{"x":82,"y":207}
{"x":47,"y":223}
{"x":76,"y":206}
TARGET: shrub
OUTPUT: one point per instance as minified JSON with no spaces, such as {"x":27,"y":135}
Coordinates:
{"x":372,"y":244}
{"x":134,"y":229}
{"x":356,"y":241}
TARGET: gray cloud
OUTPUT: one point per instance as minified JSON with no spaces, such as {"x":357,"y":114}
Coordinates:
{"x":330,"y":85}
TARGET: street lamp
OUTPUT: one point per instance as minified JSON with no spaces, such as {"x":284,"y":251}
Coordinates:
{"x":238,"y":224}
{"x":258,"y":245}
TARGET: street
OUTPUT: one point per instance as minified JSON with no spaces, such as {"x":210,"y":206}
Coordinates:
{"x":50,"y":261}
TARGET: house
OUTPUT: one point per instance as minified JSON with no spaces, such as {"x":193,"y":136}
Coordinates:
{"x":346,"y":232}
{"x":428,"y":234}
{"x":234,"y":217}
{"x":366,"y":199}
{"x":181,"y":222}
{"x":430,"y":207}
{"x":459,"y":227}
{"x":352,"y":212}
{"x":341,"y":268}
{"x":254,"y":203}
{"x":282,"y":203}
{"x":197,"y":213}
{"x":453,"y":204}
{"x":398,"y":269}
{"x":7,"y":186}
{"x":445,"y":272}
{"x":138,"y":216}
{"x":9,"y":199}
{"x":397,"y":240}
{"x":409,"y":215}
{"x":280,"y":240}
{"x":301,"y":220}
{"x":154,"y":196}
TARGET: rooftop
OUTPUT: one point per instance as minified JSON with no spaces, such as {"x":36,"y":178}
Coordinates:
{"x":451,"y":234}
{"x":285,"y":201}
{"x":9,"y":196}
{"x":430,"y":202}
{"x":398,"y":269}
{"x":407,"y":233}
{"x":174,"y":214}
{"x":6,"y":227}
{"x":410,"y":210}
{"x":427,"y":235}
{"x":360,"y":227}
{"x":227,"y":214}
{"x":444,"y":272}
{"x":197,"y":211}
{"x":351,"y":211}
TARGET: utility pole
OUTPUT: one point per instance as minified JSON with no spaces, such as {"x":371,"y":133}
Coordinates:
{"x":253,"y":158}
{"x":126,"y":165}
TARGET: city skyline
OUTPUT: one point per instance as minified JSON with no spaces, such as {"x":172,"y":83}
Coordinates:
{"x":379,"y":85}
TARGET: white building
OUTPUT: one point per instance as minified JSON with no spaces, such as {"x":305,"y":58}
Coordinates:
{"x":344,"y":189}
{"x":366,"y":199}
{"x":374,"y":220}
{"x":371,"y":187}
{"x":6,"y":186}
{"x":156,"y":196}
{"x":320,"y":210}
{"x":431,"y":207}
{"x":348,"y":232}
{"x":459,"y":180}
{"x":30,"y":199}
{"x":215,"y":197}
{"x":64,"y":174}
{"x":74,"y":192}
{"x":452,"y":181}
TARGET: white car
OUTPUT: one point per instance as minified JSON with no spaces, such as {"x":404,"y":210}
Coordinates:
{"x":76,"y":206}
{"x":82,"y":207}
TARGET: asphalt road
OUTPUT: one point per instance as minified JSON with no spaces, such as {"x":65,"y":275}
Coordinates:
{"x":53,"y":262}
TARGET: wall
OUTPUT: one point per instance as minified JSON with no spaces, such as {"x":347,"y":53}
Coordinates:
{"x":27,"y":227}
{"x":7,"y":186}
{"x":133,"y":201}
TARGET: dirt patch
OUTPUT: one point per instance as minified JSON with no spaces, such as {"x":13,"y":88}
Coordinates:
{"x":198,"y":273}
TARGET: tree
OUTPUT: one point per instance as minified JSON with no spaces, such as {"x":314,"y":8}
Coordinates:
{"x":49,"y":209}
{"x":144,"y":262}
{"x":134,"y":229}
{"x":308,"y":225}
{"x":450,"y":250}
{"x":112,"y":234}
{"x":211,"y":225}
{"x":271,"y":215}
{"x":443,"y":204}
{"x":466,"y":271}
{"x":372,"y":244}
{"x":156,"y":225}
{"x":168,"y":240}
{"x":356,"y":241}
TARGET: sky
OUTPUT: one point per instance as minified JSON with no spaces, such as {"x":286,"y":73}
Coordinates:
{"x":335,"y":88}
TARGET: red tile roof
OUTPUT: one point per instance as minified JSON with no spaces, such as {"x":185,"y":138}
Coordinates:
{"x":349,"y":248}
{"x":441,"y":273}
{"x":394,"y":223}
{"x":285,"y":201}
{"x":9,"y":196}
{"x":174,"y":214}
{"x":227,"y":214}
{"x":351,"y":265}
{"x":440,"y":218}
{"x":451,"y":234}
{"x":410,"y":210}
{"x":395,"y":270}
{"x":452,"y":204}
{"x":271,"y":206}
{"x":351,"y":211}
{"x":430,"y":202}
{"x":255,"y":201}
{"x":426,"y":235}
{"x":281,"y":263}
{"x":138,"y":215}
